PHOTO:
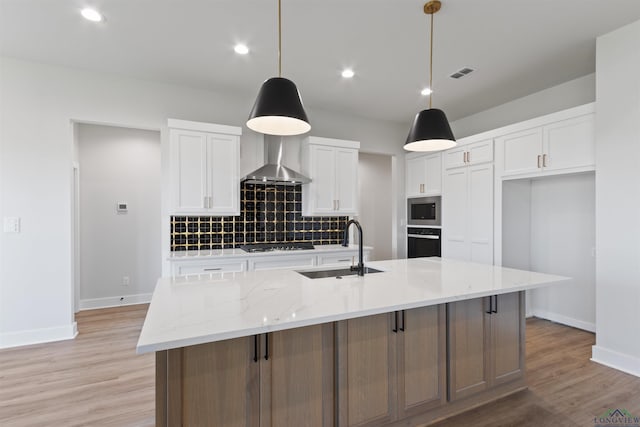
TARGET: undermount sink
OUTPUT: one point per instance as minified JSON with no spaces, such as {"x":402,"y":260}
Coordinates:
{"x":337,"y":273}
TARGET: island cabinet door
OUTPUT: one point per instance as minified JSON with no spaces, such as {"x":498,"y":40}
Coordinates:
{"x":297,"y":377}
{"x":508,"y":338}
{"x":214,"y":384}
{"x":421,"y":360}
{"x":366,"y":371}
{"x":468,"y":347}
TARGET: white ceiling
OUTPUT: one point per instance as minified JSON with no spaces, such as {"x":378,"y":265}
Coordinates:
{"x":517,"y":47}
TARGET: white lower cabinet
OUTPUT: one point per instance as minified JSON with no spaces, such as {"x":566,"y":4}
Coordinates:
{"x":237,"y":264}
{"x":180,"y":268}
{"x":341,"y":258}
{"x":285,"y":261}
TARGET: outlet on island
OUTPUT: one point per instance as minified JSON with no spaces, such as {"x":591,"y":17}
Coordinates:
{"x":126,"y":281}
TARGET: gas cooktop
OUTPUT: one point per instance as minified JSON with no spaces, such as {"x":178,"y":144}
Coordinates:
{"x":283,"y":246}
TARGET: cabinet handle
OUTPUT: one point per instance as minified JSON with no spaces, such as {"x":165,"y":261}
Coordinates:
{"x":255,"y":348}
{"x":338,"y":204}
{"x":344,"y":260}
{"x":266,"y":346}
{"x":468,"y":157}
{"x":213,"y":269}
{"x":402,"y":328}
{"x":204,"y":202}
{"x":495,"y":306}
{"x":539,"y":156}
{"x":544,"y":160}
{"x":490,"y":305}
{"x":395,"y":323}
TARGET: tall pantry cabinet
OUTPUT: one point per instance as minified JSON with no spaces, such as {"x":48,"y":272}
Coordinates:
{"x":467,"y":203}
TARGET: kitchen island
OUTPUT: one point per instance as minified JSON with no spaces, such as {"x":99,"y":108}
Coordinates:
{"x":423,"y":339}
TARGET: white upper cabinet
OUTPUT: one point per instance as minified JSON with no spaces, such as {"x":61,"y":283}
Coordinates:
{"x":522,"y":152}
{"x":559,"y":147}
{"x":569,"y":144}
{"x":423,"y":174}
{"x":470,"y":154}
{"x":204,"y":168}
{"x":332,"y":166}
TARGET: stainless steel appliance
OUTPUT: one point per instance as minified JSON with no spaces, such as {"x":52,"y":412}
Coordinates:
{"x":424,"y":211}
{"x":283,"y":246}
{"x":423,"y":242}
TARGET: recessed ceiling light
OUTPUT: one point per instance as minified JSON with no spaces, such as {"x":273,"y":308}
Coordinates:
{"x":91,"y":14}
{"x":426,"y":92}
{"x":241,"y":49}
{"x":347,"y":73}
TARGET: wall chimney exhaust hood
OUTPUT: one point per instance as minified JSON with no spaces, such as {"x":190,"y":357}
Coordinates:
{"x":274,"y":171}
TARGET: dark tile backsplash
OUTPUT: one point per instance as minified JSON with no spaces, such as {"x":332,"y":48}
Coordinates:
{"x":268,"y":213}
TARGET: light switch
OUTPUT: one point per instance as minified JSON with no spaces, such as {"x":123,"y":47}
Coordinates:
{"x":11,"y":224}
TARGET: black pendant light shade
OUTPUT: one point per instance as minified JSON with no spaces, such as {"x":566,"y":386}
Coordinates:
{"x":278,"y":109}
{"x":430,"y":131}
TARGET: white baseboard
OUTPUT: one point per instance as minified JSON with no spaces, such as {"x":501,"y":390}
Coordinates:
{"x":38,"y":336}
{"x":613,"y":359}
{"x":90,"y":304}
{"x":565,"y":320}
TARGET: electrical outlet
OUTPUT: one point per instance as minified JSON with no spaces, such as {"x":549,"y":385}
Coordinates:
{"x":126,"y":281}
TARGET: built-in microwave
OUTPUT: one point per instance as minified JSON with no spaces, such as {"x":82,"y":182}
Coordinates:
{"x":423,"y":211}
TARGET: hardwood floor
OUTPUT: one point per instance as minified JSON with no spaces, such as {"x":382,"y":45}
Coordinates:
{"x":98,"y":380}
{"x":95,"y":380}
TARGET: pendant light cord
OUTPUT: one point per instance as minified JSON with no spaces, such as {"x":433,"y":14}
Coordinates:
{"x":430,"y":63}
{"x":279,"y":38}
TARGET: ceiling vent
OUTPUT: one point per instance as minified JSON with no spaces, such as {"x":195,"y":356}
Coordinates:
{"x":462,"y":72}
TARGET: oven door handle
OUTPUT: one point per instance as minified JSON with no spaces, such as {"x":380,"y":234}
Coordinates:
{"x":424,"y":236}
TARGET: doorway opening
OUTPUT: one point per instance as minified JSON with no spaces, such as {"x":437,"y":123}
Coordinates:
{"x":116,"y":220}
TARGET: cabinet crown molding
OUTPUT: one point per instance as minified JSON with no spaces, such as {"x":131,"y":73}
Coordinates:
{"x":204,"y":127}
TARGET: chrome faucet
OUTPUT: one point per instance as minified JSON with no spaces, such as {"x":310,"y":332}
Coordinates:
{"x":345,"y":242}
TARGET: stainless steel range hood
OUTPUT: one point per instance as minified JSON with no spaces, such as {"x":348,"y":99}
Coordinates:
{"x":274,"y":171}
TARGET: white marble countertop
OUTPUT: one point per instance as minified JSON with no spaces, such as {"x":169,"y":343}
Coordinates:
{"x":239,"y":253}
{"x":190,"y":310}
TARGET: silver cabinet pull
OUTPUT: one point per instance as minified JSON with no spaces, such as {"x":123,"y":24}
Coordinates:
{"x":213,"y":269}
{"x":338,"y":203}
{"x":468,"y":157}
{"x":539,"y":156}
{"x":204,"y":202}
{"x":344,"y":260}
{"x":544,"y":160}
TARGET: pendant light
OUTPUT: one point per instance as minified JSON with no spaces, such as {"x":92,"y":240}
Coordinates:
{"x":278,"y":108}
{"x":430,"y":130}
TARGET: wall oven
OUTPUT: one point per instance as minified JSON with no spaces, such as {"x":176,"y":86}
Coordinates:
{"x":423,"y":242}
{"x":423,"y":211}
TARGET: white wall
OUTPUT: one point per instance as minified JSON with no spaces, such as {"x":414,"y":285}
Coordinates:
{"x":118,"y":165}
{"x":563,"y":242}
{"x":548,"y":225}
{"x":375,"y":198}
{"x":575,"y":92}
{"x":618,"y":199}
{"x":38,"y":104}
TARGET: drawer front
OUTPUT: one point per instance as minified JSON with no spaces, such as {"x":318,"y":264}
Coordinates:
{"x":274,"y":263}
{"x":346,"y":258}
{"x":182,"y":268}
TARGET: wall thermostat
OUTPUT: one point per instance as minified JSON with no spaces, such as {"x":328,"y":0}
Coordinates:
{"x":121,"y":207}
